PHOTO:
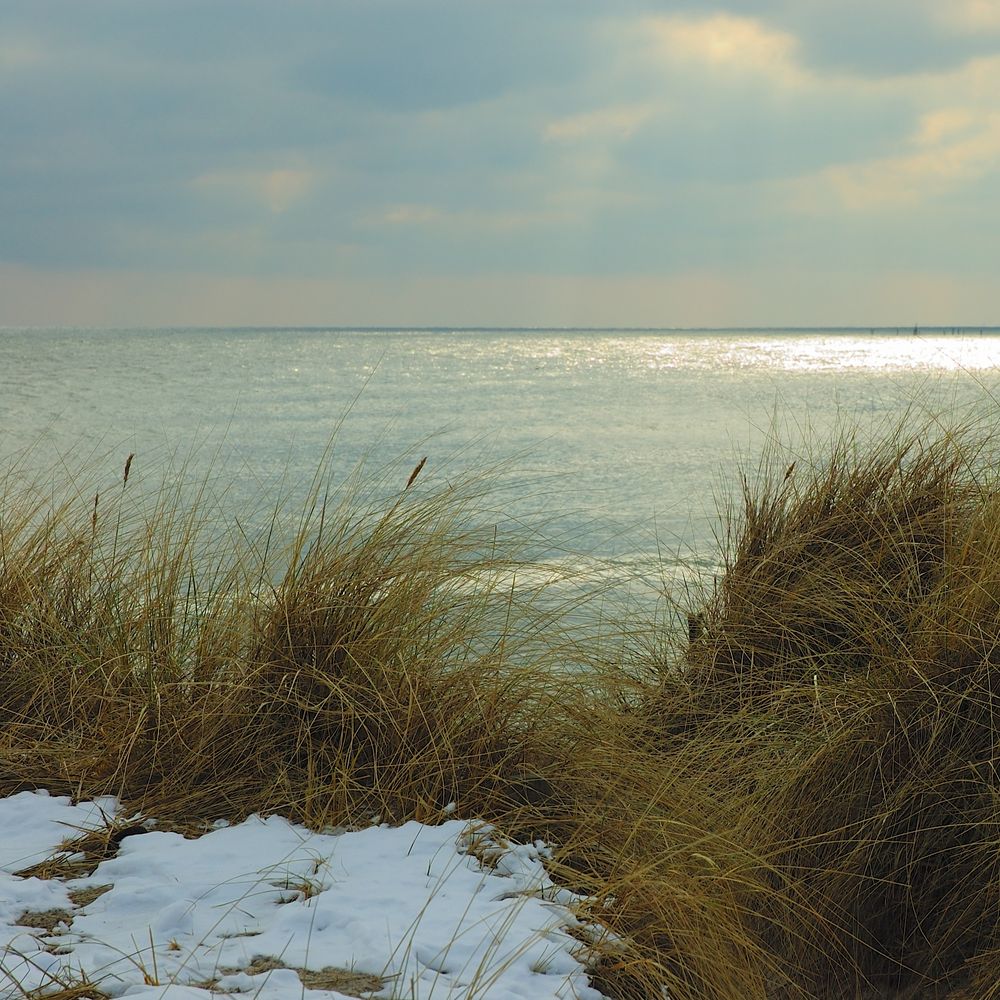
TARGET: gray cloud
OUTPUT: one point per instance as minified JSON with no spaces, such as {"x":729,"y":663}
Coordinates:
{"x":873,"y":38}
{"x":384,"y":138}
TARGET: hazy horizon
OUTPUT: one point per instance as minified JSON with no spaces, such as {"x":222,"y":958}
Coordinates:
{"x":902,"y":330}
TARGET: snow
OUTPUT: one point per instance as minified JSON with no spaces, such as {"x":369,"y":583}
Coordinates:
{"x":444,"y":912}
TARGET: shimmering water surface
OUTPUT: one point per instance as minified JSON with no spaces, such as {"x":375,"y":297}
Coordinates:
{"x":628,"y":435}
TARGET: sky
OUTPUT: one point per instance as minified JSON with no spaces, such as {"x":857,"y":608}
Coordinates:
{"x":499,"y":162}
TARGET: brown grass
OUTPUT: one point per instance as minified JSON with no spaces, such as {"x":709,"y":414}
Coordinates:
{"x":374,"y":664}
{"x":839,"y":709}
{"x":344,"y":981}
{"x":801,"y":802}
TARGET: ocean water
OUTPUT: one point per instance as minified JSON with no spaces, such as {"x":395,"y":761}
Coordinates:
{"x":620,"y":441}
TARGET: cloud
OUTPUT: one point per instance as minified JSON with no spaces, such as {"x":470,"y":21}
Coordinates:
{"x":935,"y":167}
{"x":955,"y":141}
{"x":969,"y":15}
{"x":474,"y":222}
{"x":877,"y":39}
{"x":408,"y":215}
{"x":383,"y":141}
{"x":277,"y":190}
{"x":603,"y":123}
{"x":403,"y":58}
{"x":727,"y":44}
{"x":943,"y":124}
{"x":20,"y":54}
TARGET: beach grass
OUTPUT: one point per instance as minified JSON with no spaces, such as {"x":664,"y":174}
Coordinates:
{"x":798,"y":799}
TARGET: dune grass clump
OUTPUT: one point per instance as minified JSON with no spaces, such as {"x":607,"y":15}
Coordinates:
{"x":374,"y":663}
{"x":839,"y":706}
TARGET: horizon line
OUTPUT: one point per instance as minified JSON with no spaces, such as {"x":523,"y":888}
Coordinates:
{"x":365,"y":328}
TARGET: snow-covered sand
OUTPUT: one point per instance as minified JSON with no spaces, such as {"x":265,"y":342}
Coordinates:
{"x":442,"y":911}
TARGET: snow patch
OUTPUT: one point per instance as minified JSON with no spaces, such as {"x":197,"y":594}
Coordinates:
{"x":444,"y":912}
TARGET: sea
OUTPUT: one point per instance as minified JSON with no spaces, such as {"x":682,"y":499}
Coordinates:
{"x":618,"y":446}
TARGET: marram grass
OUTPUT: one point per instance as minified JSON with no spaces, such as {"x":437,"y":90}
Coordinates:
{"x":802,"y":802}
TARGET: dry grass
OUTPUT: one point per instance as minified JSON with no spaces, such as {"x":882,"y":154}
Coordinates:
{"x":373,"y":665}
{"x":838,"y":712}
{"x":343,"y":981}
{"x":803,"y":804}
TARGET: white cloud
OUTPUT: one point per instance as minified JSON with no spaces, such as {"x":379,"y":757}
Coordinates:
{"x":603,"y":123}
{"x":956,"y":141}
{"x":943,"y":124}
{"x":968,"y":15}
{"x":727,"y":44}
{"x":910,"y":180}
{"x":276,"y":189}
